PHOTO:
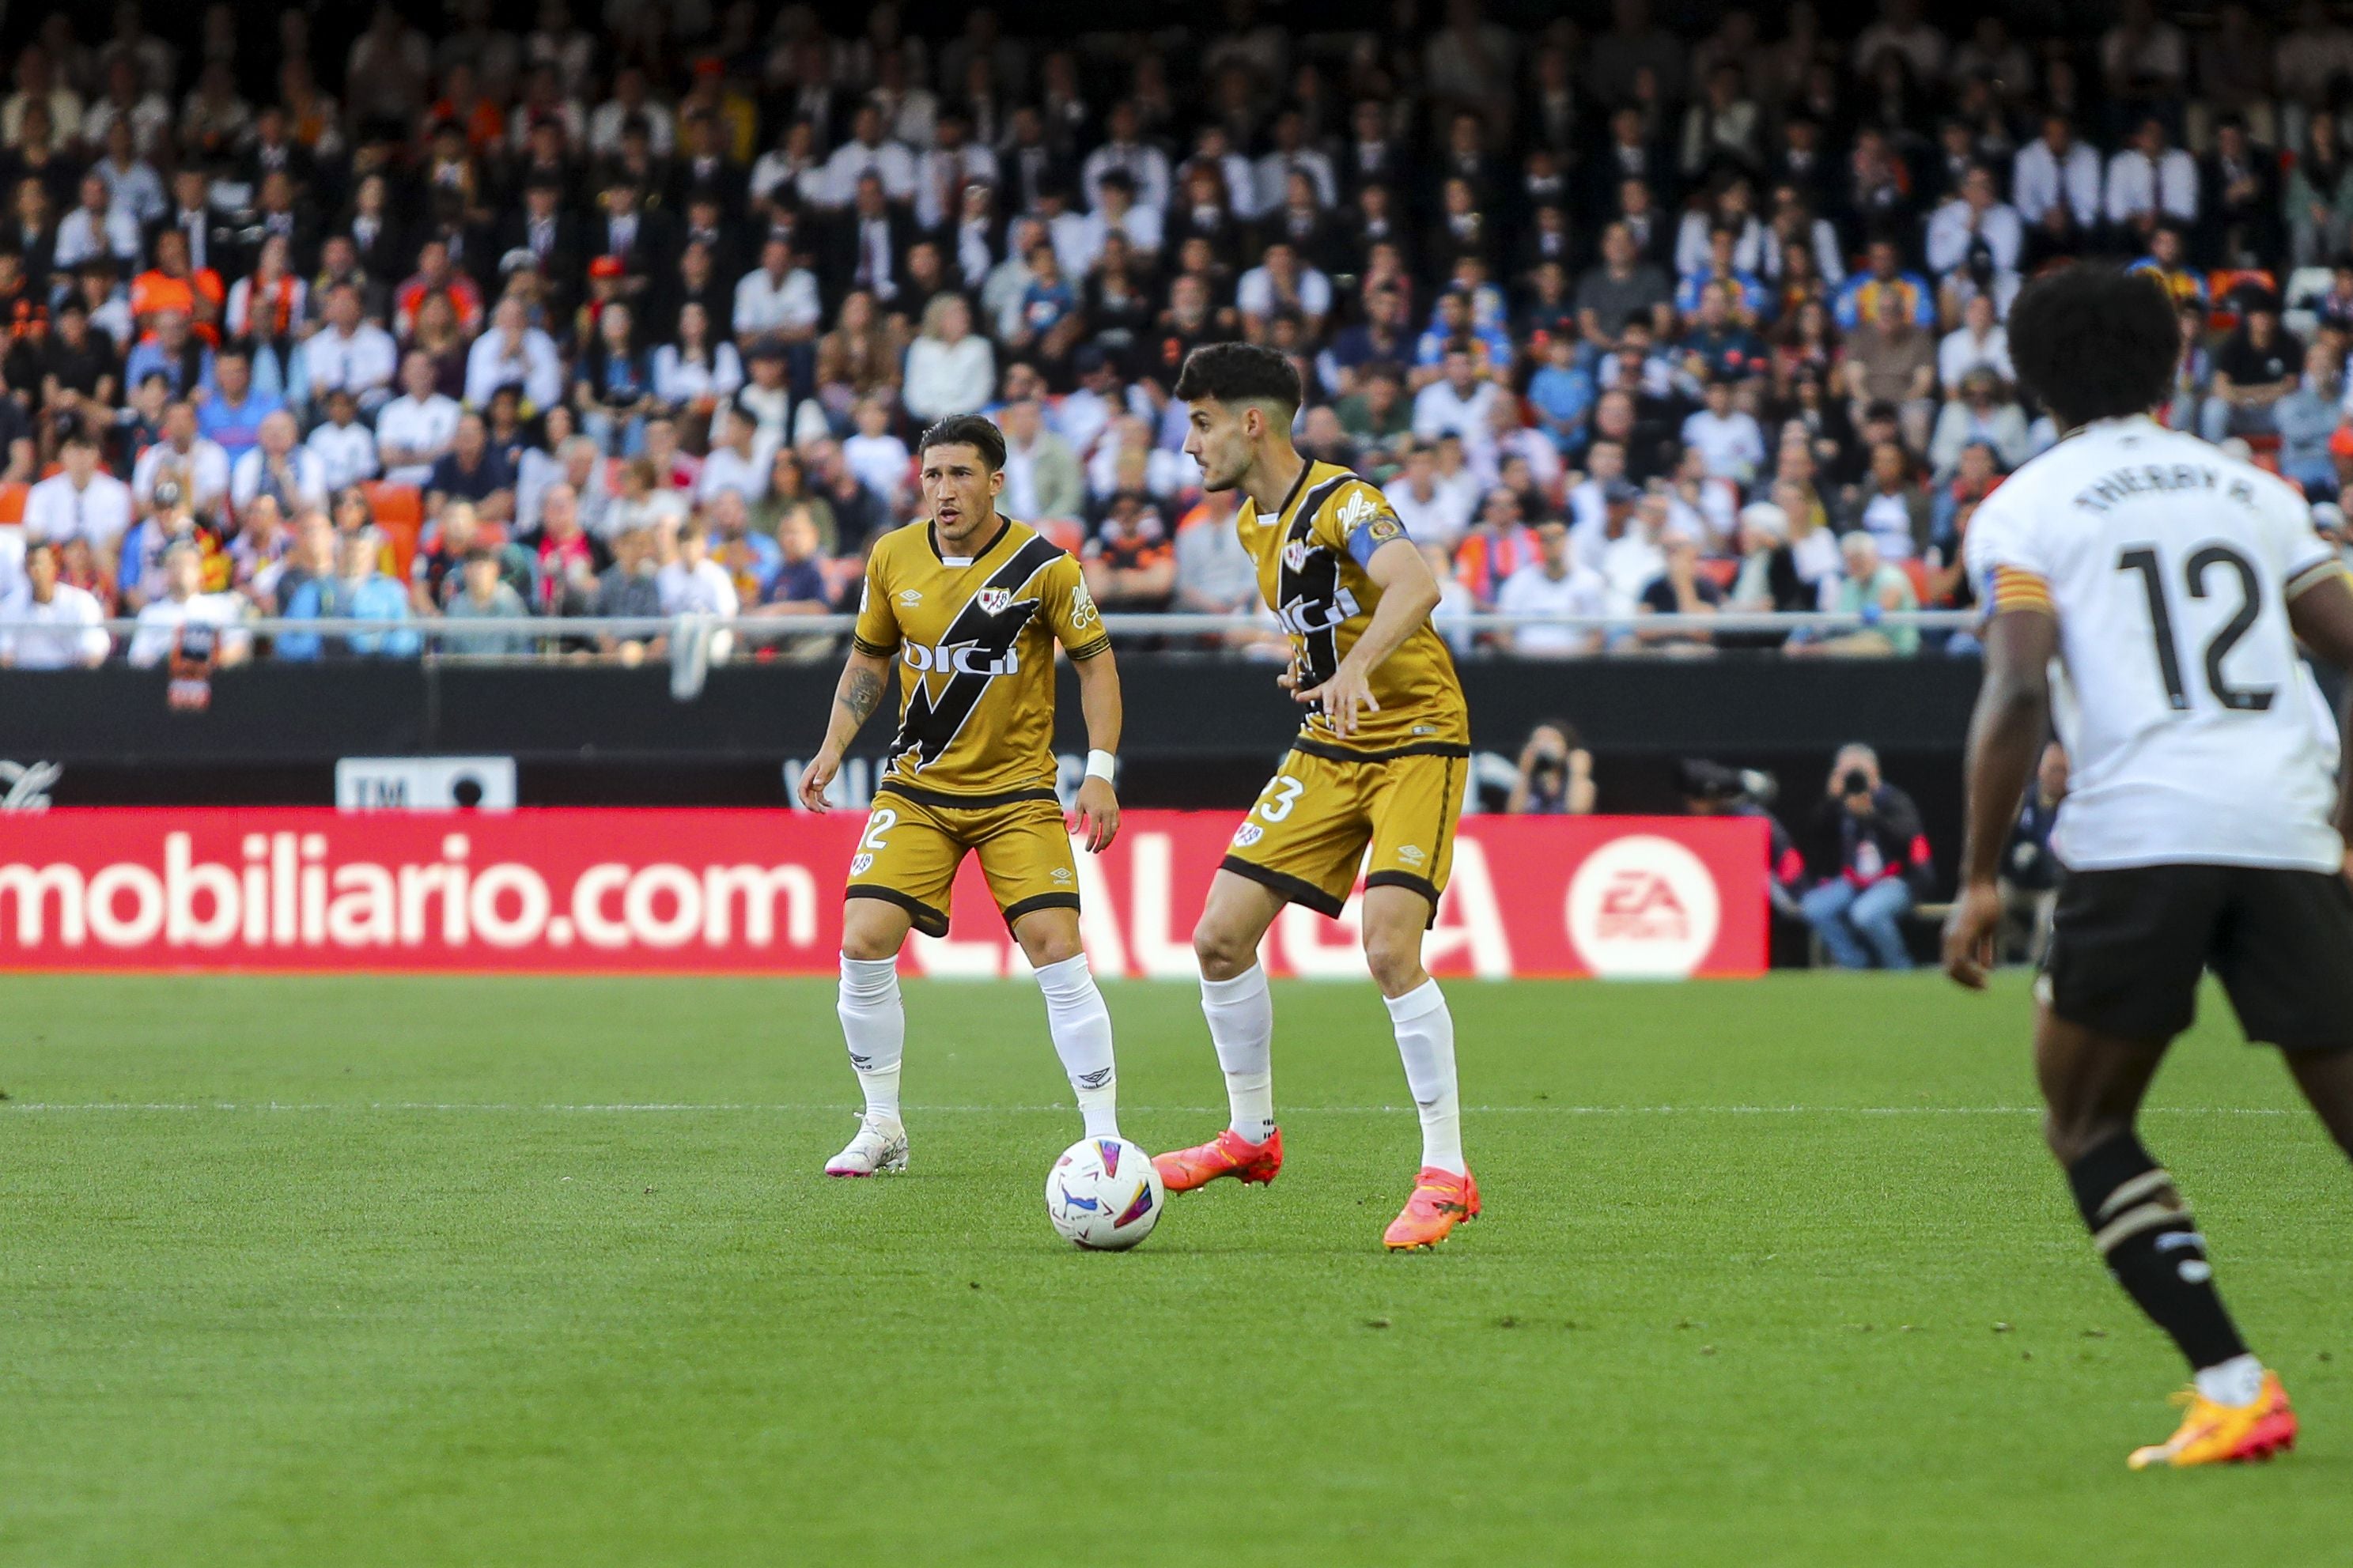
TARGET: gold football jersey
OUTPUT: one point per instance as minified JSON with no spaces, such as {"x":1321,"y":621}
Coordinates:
{"x":974,"y":637}
{"x":1311,"y":558}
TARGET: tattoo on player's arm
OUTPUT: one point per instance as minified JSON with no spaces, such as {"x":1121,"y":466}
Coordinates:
{"x":861,"y":693}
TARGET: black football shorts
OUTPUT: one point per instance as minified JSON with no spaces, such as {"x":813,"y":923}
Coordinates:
{"x":2128,"y":947}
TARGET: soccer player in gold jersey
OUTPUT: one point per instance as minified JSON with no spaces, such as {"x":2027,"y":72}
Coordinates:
{"x":970,"y":605}
{"x":1379,"y":764}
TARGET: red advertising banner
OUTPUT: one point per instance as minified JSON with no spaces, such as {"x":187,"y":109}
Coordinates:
{"x":706,"y":891}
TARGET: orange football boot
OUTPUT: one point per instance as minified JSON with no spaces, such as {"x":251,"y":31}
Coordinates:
{"x":2215,"y":1434}
{"x":1227,"y":1154}
{"x":1440,"y":1200}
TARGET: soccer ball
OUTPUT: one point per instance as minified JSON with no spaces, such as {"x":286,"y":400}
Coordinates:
{"x":1103,"y":1195}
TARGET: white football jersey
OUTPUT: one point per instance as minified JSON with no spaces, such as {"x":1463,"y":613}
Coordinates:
{"x":2194,"y":732}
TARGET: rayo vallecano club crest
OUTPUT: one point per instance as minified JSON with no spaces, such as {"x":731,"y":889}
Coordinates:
{"x":993,"y":601}
{"x":1294,"y":554}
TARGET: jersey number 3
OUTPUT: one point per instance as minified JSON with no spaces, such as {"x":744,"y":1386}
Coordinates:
{"x":2143,"y":559}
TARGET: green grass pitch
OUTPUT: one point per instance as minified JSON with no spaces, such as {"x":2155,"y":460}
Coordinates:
{"x":309,"y":1271}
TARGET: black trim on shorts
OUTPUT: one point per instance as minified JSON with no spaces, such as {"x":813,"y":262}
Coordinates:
{"x":1331,"y":752}
{"x":1306,"y":894}
{"x":1421,"y":885}
{"x":928,"y":921}
{"x":1014,"y":912}
{"x":922,"y":797}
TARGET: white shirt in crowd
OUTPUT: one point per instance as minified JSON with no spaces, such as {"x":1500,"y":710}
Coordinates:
{"x":1439,"y":519}
{"x":765,"y":304}
{"x":99,"y":512}
{"x":853,"y":160}
{"x":65,"y":635}
{"x":360,"y":364}
{"x":1731,"y":444}
{"x":163,"y":618}
{"x":881,"y":462}
{"x":530,"y":363}
{"x":2217,"y":749}
{"x":2041,"y":179}
{"x":204,"y":464}
{"x":724,"y":469}
{"x":1439,"y":410}
{"x":429,"y":428}
{"x":945,"y":378}
{"x":1950,"y":235}
{"x":112,"y":233}
{"x":1530,"y":591}
{"x":1629,"y":563}
{"x":306,"y":476}
{"x":705,"y":588}
{"x":1254,"y":294}
{"x":346,"y":453}
{"x":2168,"y":185}
{"x":1963,"y":351}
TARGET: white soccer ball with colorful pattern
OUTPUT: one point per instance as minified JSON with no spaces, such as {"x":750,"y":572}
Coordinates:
{"x":1103,"y":1195}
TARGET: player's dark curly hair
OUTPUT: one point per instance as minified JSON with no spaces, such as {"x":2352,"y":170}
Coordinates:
{"x":1238,"y":372}
{"x":2093,"y":343}
{"x":966,"y":431}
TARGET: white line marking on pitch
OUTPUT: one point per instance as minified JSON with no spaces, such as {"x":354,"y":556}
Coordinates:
{"x":722,"y":1108}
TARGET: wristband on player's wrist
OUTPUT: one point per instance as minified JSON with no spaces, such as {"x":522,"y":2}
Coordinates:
{"x":1100,"y":765}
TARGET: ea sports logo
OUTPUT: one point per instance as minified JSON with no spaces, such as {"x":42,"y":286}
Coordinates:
{"x":1642,"y":908}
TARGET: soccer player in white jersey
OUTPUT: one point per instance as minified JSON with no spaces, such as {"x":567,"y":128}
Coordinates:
{"x":2148,"y":593}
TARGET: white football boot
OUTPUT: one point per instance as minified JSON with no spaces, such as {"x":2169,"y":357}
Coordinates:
{"x":880,"y":1146}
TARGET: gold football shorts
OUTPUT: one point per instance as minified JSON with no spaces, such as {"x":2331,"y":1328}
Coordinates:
{"x":915,"y":839}
{"x":1307,"y":836}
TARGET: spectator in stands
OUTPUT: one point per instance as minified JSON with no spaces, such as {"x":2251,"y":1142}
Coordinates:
{"x":1130,"y":563}
{"x":2254,"y":368}
{"x":58,"y":624}
{"x":692,"y":582}
{"x":1982,"y":413}
{"x":355,"y":591}
{"x":472,"y":471}
{"x":950,"y":369}
{"x":1867,"y":837}
{"x":483,"y":593}
{"x":280,"y":467}
{"x":2308,"y":417}
{"x":1680,"y":589}
{"x":1871,"y":588}
{"x":183,"y":602}
{"x":415,"y":430}
{"x":1552,"y":586}
{"x":81,"y":500}
{"x":630,"y":586}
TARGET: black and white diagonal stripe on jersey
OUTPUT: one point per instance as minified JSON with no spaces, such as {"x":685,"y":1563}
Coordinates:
{"x":930,"y":724}
{"x":1307,"y":588}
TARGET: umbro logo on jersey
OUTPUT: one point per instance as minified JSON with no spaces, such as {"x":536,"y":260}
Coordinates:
{"x":912,"y":597}
{"x":1411,"y":854}
{"x":1294,"y":554}
{"x":1360,"y":507}
{"x":993,"y":601}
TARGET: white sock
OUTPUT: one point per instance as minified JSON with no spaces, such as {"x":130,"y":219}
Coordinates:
{"x":1425,"y":1037}
{"x":1241,"y":1027}
{"x":2237,"y":1382}
{"x":1080,"y":1024}
{"x":874,"y":1027}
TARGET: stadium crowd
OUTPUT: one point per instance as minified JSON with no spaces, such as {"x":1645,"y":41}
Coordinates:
{"x":539,"y":311}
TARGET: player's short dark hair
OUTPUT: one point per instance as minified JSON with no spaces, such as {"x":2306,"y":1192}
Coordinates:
{"x":1238,"y":372}
{"x":2093,"y":343}
{"x":966,"y":431}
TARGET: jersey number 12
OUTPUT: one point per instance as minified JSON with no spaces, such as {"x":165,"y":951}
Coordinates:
{"x":2143,"y":559}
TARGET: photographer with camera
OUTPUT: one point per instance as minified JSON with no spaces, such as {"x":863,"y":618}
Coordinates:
{"x":1555,"y":774}
{"x":1870,"y":832}
{"x":1712,"y":789}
